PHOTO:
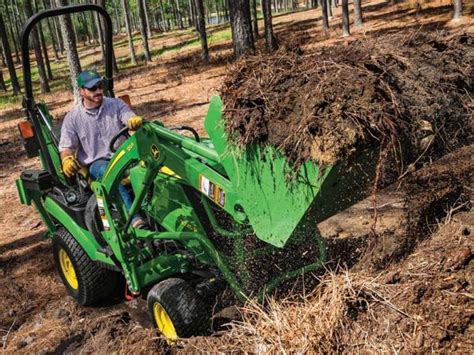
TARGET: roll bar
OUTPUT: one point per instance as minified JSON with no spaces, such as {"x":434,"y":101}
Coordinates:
{"x":28,"y":101}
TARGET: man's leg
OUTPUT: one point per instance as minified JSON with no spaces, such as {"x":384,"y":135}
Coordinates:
{"x":97,"y":171}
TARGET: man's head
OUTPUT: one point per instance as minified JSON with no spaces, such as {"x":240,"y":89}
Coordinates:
{"x":91,"y":88}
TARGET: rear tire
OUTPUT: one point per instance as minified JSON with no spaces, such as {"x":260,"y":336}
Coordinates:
{"x":177,"y":310}
{"x":85,"y":281}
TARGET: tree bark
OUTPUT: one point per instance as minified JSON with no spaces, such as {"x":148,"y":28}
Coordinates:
{"x":86,"y":28}
{"x":358,"y":13}
{"x":58,"y":35}
{"x":457,"y":14}
{"x":328,"y":7}
{"x":324,"y":14}
{"x":13,"y":33}
{"x":267,"y":20}
{"x":8,"y":57}
{"x":45,"y":53}
{"x":255,"y":19}
{"x":143,"y":30}
{"x":51,"y":34}
{"x":345,"y":18}
{"x":179,"y":14}
{"x":67,"y":32}
{"x":148,"y":27}
{"x":242,"y":27}
{"x":201,"y":28}
{"x":37,"y":48}
{"x":4,"y":63}
{"x":163,"y":19}
{"x":2,"y":81}
{"x":44,"y":45}
{"x":117,"y":18}
{"x":126,"y":12}
{"x":191,"y":13}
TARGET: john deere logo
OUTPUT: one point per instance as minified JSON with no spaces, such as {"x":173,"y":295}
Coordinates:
{"x":155,"y":152}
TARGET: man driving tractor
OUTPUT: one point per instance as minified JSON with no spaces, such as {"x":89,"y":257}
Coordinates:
{"x":88,"y":128}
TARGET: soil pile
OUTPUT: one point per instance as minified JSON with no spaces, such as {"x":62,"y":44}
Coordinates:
{"x":323,"y":106}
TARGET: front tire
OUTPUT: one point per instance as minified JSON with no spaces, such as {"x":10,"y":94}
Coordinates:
{"x":177,"y":310}
{"x":85,"y":281}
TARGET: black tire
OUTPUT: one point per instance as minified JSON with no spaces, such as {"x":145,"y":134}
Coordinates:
{"x":91,"y":283}
{"x":93,"y":221}
{"x":189,"y":314}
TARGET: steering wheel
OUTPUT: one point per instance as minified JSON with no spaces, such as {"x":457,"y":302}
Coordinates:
{"x":123,"y":132}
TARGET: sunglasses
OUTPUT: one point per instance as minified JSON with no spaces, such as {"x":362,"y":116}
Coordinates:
{"x":95,"y":87}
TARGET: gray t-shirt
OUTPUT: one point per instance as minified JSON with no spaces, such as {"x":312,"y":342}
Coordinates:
{"x":89,"y":133}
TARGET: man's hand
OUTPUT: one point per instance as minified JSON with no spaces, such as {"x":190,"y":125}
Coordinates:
{"x":134,"y":122}
{"x":70,"y":166}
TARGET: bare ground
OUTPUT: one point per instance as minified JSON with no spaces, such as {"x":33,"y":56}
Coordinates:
{"x":37,"y":316}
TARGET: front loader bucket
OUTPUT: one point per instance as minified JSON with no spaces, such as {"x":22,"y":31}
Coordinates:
{"x":278,"y":201}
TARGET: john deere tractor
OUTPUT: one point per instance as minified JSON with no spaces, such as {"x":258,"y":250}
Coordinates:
{"x":219,"y":217}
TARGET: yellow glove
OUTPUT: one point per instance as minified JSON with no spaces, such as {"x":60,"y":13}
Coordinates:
{"x":134,"y":122}
{"x":70,"y":166}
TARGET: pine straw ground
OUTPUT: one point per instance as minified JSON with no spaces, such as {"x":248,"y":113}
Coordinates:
{"x":325,"y":105}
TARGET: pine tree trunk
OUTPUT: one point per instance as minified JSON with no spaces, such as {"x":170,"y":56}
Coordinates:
{"x":201,"y":28}
{"x":226,"y":10}
{"x":255,"y":19}
{"x":45,"y":53}
{"x":126,"y":12}
{"x":345,"y":18}
{"x":86,"y":28}
{"x":267,"y":20}
{"x":358,"y":13}
{"x":148,"y":27}
{"x":324,"y":14}
{"x":328,"y":7}
{"x":117,"y":18}
{"x":37,"y":48}
{"x":4,"y":63}
{"x":51,"y":34}
{"x":457,"y":14}
{"x":100,"y":33}
{"x":192,"y":21}
{"x":2,"y":81}
{"x":163,"y":18}
{"x":242,"y":27}
{"x":58,"y":35}
{"x":143,"y":30}
{"x":14,"y":35}
{"x":44,"y":45}
{"x":8,"y":57}
{"x":67,"y":32}
{"x":180,"y":17}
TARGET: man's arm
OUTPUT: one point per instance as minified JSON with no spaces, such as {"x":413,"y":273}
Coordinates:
{"x":127,"y":116}
{"x":67,"y":148}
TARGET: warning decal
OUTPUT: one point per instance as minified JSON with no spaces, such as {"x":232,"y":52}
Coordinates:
{"x":211,"y":190}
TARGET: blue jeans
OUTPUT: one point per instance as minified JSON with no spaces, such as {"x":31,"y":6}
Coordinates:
{"x":97,"y":170}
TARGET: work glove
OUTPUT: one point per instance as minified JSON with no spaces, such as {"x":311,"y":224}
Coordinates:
{"x":134,"y":123}
{"x":70,"y":166}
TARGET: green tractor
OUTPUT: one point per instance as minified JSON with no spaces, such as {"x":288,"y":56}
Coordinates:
{"x":219,"y":217}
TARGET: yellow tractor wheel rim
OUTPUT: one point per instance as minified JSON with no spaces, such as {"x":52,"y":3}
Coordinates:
{"x":164,"y":323}
{"x":68,"y":269}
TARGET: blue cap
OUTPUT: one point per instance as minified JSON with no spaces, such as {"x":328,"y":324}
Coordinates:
{"x":88,"y":79}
